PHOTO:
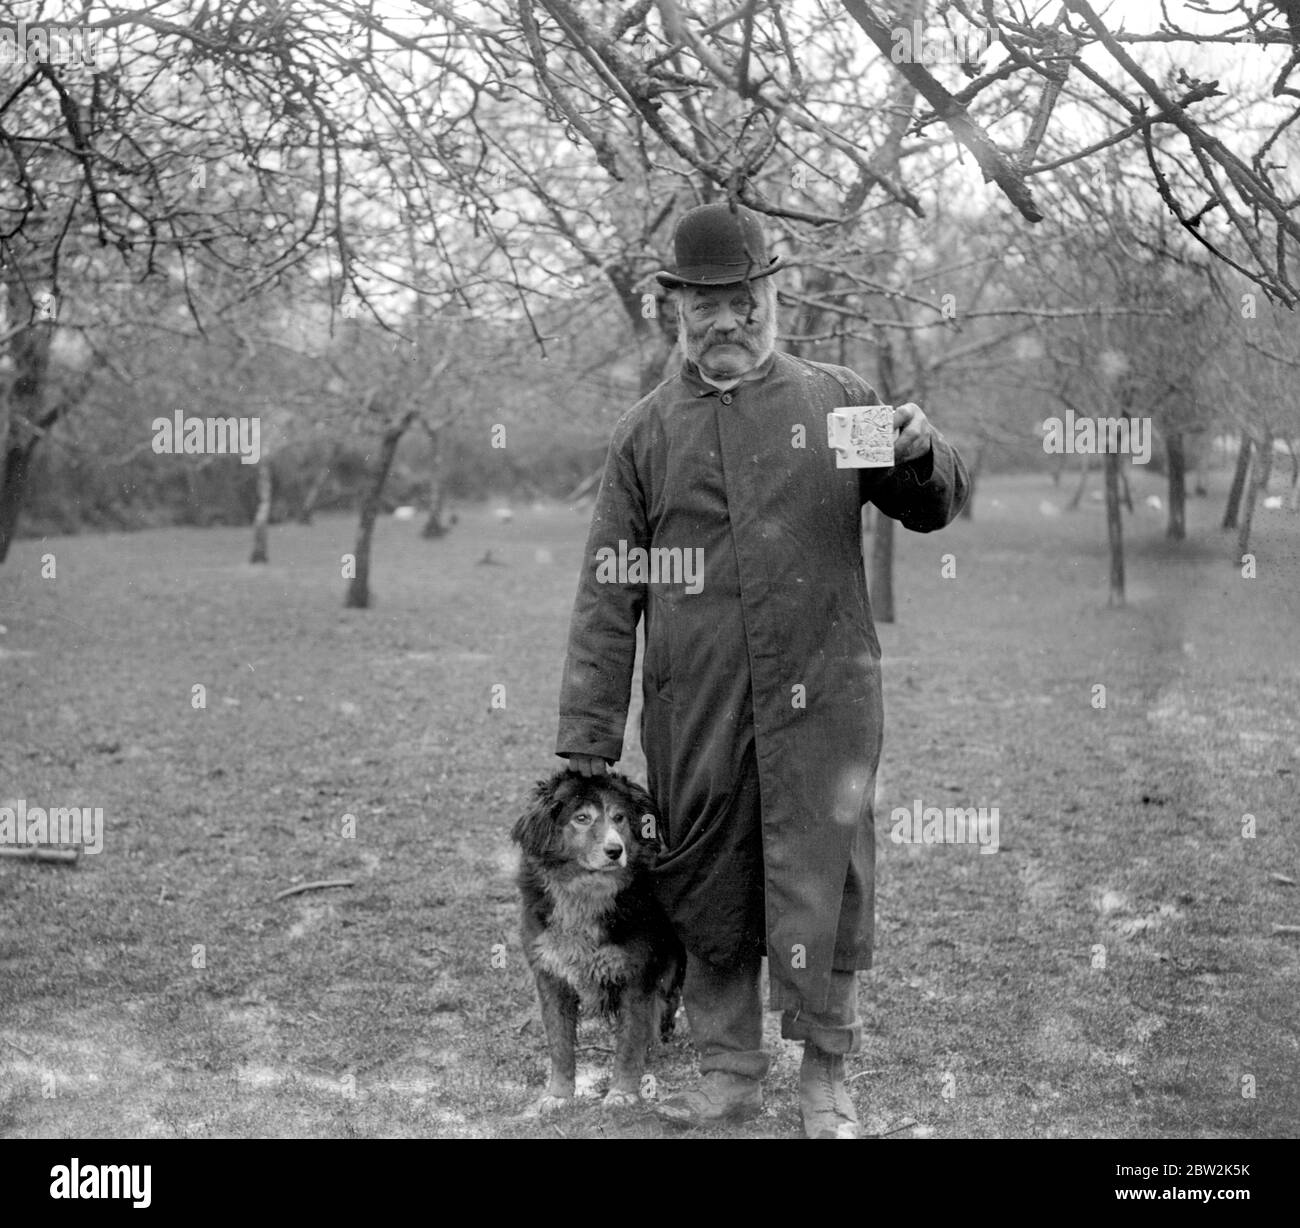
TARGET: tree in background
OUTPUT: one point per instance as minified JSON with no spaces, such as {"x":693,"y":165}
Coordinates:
{"x":535,"y":151}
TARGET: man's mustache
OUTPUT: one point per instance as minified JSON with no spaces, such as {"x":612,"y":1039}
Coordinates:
{"x":745,"y":339}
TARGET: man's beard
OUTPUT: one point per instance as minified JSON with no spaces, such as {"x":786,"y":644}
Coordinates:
{"x":755,"y":341}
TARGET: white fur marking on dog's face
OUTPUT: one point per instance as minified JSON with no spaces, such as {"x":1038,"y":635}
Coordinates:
{"x":595,"y":838}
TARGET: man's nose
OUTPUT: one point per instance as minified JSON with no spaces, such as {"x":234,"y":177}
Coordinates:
{"x":726,"y":321}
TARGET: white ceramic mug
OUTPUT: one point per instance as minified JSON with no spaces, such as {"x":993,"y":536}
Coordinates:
{"x":862,"y":435}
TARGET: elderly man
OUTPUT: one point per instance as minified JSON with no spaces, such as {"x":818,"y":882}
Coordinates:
{"x":762,"y":720}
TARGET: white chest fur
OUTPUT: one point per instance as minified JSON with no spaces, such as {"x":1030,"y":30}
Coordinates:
{"x":575,"y":944}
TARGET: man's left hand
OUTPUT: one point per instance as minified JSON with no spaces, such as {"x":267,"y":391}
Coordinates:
{"x":914,"y":433}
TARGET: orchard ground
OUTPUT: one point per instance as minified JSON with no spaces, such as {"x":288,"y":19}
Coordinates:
{"x":1113,"y":971}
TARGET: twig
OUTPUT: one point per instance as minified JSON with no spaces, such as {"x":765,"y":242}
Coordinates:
{"x":993,"y":164}
{"x":1286,"y":929}
{"x":35,"y":853}
{"x":1283,"y":879}
{"x":906,"y":1124}
{"x":318,"y":886}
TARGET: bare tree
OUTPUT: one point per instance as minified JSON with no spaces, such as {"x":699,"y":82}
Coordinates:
{"x":221,"y":150}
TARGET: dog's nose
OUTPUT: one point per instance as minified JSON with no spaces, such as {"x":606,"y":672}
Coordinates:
{"x":613,"y":851}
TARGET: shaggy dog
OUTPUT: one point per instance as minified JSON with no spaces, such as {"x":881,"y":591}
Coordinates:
{"x":594,"y":936}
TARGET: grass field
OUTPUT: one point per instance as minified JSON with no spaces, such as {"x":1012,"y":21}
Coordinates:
{"x":401,"y":1006}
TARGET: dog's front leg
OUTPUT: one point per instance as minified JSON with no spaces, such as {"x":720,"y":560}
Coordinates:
{"x":560,"y":1017}
{"x":635,"y":1016}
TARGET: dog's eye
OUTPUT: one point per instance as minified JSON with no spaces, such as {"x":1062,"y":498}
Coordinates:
{"x":582,"y":820}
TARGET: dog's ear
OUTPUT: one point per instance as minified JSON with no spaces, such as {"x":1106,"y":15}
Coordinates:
{"x":647,"y":824}
{"x":535,"y":828}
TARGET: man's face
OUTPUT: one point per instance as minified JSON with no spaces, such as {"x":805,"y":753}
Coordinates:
{"x":728,"y":330}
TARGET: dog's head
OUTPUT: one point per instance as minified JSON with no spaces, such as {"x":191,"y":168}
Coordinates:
{"x":598,"y":824}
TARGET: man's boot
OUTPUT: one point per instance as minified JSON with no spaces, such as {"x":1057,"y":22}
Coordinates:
{"x":827,"y":1110}
{"x":726,"y":1016}
{"x":720,"y":1097}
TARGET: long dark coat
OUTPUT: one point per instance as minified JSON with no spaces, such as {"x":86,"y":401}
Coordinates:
{"x":762,"y":720}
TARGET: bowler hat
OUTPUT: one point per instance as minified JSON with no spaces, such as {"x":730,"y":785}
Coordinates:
{"x":717,"y":245}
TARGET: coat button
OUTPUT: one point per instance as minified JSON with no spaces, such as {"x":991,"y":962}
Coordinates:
{"x":726,"y":398}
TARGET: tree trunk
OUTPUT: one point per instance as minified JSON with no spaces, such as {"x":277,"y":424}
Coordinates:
{"x":968,"y":512}
{"x":1294,"y":501}
{"x":262,"y":518}
{"x":653,"y":333}
{"x":808,"y":318}
{"x":13,"y":487}
{"x":312,"y":497}
{"x":358,"y":595}
{"x":881,"y":591}
{"x":1199,"y":488}
{"x":524,"y":486}
{"x":29,"y":353}
{"x":1114,"y":530}
{"x":436,"y":526}
{"x":1258,"y":486}
{"x":1084,"y":465}
{"x":1266,"y":468}
{"x":1176,"y":464}
{"x":881,"y":588}
{"x":1238,"y":483}
{"x":1125,"y":493}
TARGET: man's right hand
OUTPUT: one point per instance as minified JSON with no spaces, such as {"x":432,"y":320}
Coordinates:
{"x":587,"y":765}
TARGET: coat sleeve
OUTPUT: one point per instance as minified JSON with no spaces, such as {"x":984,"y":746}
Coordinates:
{"x":924,"y":494}
{"x":597,"y":682}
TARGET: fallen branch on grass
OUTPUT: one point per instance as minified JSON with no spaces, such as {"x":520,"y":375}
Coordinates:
{"x":317,"y":886}
{"x":906,"y":1124}
{"x":1286,"y":929}
{"x":35,"y":853}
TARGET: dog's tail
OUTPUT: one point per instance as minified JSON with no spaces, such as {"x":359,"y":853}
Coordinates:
{"x":668,"y":997}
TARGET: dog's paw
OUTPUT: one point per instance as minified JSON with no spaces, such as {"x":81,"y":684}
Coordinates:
{"x":551,"y":1104}
{"x":618,"y":1099}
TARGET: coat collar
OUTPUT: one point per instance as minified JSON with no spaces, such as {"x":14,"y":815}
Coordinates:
{"x":700,"y":387}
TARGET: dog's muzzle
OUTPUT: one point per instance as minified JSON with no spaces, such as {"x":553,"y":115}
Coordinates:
{"x":615,"y":850}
